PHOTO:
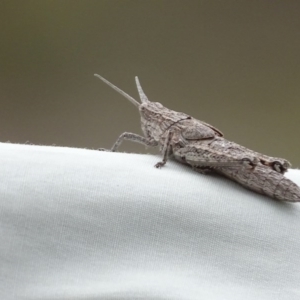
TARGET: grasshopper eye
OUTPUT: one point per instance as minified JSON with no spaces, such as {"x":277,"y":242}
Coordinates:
{"x":158,"y":105}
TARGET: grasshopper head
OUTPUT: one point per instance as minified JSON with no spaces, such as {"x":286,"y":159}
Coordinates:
{"x":151,"y":112}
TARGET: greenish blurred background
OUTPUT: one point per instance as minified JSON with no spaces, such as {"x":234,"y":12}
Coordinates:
{"x":234,"y":64}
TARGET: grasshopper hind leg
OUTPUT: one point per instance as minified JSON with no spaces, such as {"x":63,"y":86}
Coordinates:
{"x":203,"y":170}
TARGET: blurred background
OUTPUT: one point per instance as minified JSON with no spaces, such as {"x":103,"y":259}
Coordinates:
{"x":234,"y":64}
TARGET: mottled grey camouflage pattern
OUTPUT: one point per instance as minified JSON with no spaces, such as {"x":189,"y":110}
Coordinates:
{"x":203,"y":147}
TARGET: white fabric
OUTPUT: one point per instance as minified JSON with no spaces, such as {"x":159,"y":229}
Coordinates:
{"x":83,"y":224}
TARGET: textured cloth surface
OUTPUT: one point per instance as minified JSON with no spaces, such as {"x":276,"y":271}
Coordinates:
{"x":83,"y":224}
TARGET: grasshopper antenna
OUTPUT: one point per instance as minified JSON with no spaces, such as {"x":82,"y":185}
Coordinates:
{"x":143,"y":96}
{"x":132,"y":100}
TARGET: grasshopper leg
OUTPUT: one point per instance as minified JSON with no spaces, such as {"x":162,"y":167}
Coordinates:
{"x":166,"y":150}
{"x":133,"y":137}
{"x":203,"y":158}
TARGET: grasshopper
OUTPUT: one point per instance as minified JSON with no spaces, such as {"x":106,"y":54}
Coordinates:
{"x":203,"y":147}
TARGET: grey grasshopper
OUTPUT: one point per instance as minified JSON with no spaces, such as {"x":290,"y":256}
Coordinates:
{"x":203,"y":147}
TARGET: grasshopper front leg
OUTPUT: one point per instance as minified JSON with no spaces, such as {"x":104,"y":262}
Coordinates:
{"x":133,"y":137}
